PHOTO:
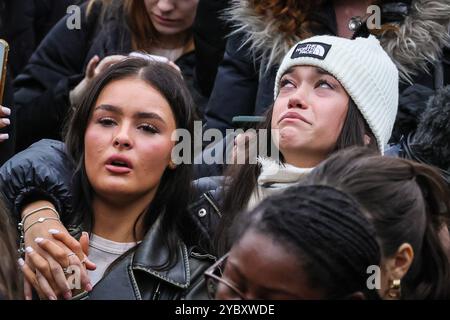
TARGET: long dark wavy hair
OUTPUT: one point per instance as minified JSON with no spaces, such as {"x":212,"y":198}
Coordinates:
{"x":243,"y":178}
{"x":408,"y":203}
{"x":174,"y":191}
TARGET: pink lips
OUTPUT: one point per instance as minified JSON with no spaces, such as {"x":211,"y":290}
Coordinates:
{"x":118,"y":164}
{"x":163,"y":20}
{"x":294,"y":116}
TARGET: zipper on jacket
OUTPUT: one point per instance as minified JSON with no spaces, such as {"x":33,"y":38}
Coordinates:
{"x":157,"y":293}
{"x":208,"y":198}
{"x":205,"y":256}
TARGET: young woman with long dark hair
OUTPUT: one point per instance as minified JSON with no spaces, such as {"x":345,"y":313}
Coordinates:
{"x":126,"y":191}
{"x":330,"y":93}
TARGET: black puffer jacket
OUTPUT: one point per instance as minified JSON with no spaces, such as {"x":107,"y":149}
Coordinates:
{"x":59,"y":63}
{"x":44,"y":171}
{"x":210,"y":38}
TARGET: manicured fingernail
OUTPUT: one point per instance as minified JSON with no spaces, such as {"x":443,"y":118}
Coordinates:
{"x":89,"y":287}
{"x":53,"y":231}
{"x":21,"y":262}
{"x":52,"y":298}
{"x":27,"y":297}
{"x":29,"y":249}
{"x":38,"y":240}
{"x":84,"y":233}
{"x":4,"y":136}
{"x":6,"y":111}
{"x":6,"y":121}
{"x":68,"y":295}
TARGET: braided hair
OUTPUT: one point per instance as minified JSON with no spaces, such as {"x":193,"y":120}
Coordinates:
{"x":326,"y":229}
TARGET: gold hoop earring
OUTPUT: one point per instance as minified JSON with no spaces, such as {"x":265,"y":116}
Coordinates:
{"x":394,"y":291}
{"x":172,"y":165}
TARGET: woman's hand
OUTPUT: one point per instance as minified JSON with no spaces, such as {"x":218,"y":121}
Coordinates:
{"x":56,"y":266}
{"x":53,"y":286}
{"x":4,"y":122}
{"x":94,"y":67}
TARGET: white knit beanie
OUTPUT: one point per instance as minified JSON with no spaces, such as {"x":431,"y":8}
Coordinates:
{"x":362,"y":67}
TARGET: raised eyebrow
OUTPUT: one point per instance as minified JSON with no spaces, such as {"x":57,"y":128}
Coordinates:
{"x":110,"y":108}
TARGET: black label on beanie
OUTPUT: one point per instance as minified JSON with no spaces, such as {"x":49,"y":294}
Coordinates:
{"x":311,"y":49}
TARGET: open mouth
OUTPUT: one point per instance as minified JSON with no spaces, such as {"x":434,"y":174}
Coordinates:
{"x":120,"y":164}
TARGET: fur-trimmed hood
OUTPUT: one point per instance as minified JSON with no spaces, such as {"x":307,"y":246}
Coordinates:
{"x":431,"y":140}
{"x":418,"y":41}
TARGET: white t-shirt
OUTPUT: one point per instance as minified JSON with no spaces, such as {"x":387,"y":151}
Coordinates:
{"x":103,"y":252}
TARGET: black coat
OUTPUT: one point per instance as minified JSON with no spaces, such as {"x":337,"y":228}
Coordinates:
{"x":43,"y":171}
{"x":58,"y":65}
{"x":210,"y":32}
{"x":239,"y":88}
{"x":24,"y":23}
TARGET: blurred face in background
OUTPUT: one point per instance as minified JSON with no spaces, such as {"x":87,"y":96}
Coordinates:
{"x":171,"y":17}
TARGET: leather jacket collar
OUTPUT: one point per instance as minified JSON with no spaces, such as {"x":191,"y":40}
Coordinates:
{"x":154,"y":251}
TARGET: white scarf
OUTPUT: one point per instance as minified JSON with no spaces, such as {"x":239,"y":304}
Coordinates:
{"x":274,"y":178}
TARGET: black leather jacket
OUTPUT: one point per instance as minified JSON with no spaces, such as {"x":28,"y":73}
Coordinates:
{"x":43,"y":171}
{"x":133,"y":277}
